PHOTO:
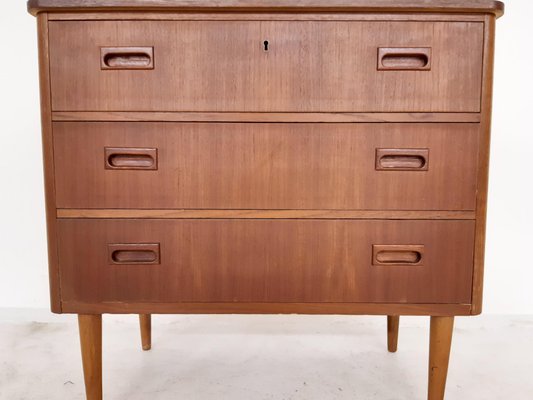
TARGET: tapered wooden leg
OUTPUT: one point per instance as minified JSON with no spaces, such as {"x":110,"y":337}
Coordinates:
{"x":146,"y":330}
{"x":91,"y":354}
{"x":439,"y":355}
{"x":393,"y":324}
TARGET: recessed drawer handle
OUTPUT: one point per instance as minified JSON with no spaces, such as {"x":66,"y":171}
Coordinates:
{"x":128,"y":254}
{"x":404,"y":58}
{"x":130,"y":158}
{"x":127,"y":58}
{"x":402,"y":159}
{"x":397,"y":254}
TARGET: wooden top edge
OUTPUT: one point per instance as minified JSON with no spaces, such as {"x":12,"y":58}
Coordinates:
{"x":453,"y":6}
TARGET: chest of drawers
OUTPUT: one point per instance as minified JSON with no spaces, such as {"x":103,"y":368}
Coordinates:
{"x":314,"y":157}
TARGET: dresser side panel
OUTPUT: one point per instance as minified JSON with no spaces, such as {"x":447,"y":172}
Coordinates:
{"x":483,"y":164}
{"x":48,"y":160}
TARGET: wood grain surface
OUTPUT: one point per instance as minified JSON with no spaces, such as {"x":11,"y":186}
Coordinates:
{"x":459,"y":6}
{"x":279,"y":15}
{"x":483,"y":167}
{"x":311,"y":66}
{"x":260,"y":214}
{"x":118,"y":116}
{"x":266,"y":166}
{"x":393,"y":326}
{"x":48,"y":162}
{"x":90,"y":327}
{"x":132,"y":307}
{"x":440,"y":341}
{"x":145,"y":322}
{"x":266,"y":261}
{"x":246,"y":156}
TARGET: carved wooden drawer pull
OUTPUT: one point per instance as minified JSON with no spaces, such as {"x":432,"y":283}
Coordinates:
{"x":137,"y":253}
{"x":127,"y":58}
{"x":402,"y":159}
{"x":404,"y":58}
{"x":398,"y":255}
{"x":130,"y":158}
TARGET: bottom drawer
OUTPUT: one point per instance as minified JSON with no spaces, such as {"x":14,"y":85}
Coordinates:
{"x":266,"y":261}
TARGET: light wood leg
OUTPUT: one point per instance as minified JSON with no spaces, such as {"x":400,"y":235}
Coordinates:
{"x":91,"y":353}
{"x":439,"y":355}
{"x":146,"y":330}
{"x":393,"y":324}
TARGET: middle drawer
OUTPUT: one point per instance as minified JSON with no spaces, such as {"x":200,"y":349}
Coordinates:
{"x":266,"y":166}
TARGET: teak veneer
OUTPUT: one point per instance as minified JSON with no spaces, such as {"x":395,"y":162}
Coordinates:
{"x":246,"y":156}
{"x":449,"y":6}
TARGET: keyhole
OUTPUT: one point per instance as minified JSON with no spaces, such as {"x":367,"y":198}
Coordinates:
{"x":265,"y":43}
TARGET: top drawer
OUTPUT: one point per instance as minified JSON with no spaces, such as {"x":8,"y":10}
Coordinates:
{"x":266,"y":66}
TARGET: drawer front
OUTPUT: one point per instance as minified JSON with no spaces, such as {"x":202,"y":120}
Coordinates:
{"x":266,"y":166}
{"x":266,"y":261}
{"x":266,"y":66}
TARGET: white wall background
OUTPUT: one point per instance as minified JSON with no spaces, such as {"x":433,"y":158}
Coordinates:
{"x":509,"y":265}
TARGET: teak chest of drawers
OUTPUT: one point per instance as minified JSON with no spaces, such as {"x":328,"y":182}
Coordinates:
{"x":246,"y":156}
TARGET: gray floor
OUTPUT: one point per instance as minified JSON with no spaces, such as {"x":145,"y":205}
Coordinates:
{"x":263,"y":358}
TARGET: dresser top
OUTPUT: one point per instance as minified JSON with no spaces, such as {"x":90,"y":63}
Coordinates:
{"x":453,"y":6}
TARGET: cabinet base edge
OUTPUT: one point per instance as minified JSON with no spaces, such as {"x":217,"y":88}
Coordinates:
{"x":74,"y":307}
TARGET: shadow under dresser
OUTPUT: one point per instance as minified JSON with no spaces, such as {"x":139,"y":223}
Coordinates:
{"x":246,"y":156}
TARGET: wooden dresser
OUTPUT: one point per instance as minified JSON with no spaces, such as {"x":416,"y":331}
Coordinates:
{"x":277,"y":156}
